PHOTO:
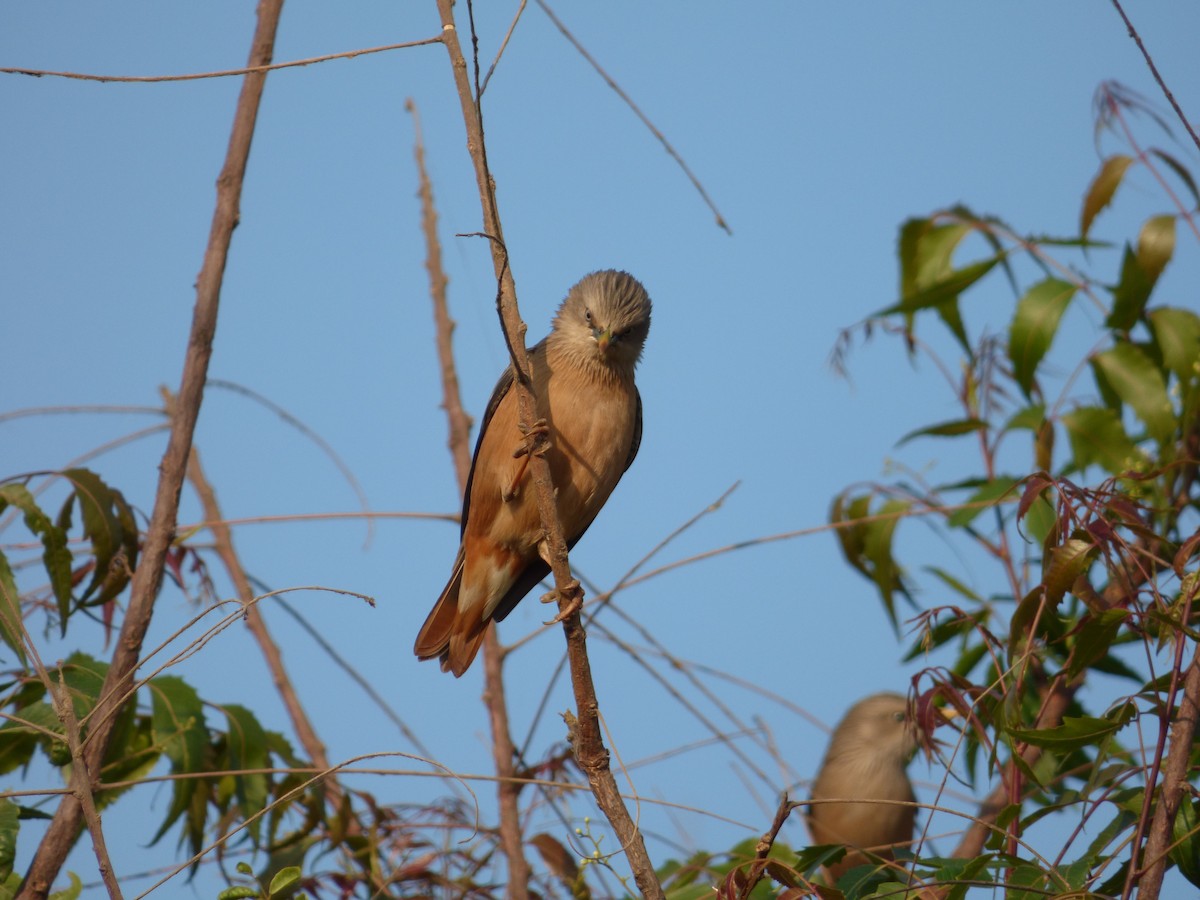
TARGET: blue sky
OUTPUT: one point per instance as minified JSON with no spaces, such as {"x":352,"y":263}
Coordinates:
{"x":816,"y":128}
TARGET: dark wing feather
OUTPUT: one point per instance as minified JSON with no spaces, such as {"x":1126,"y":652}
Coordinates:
{"x":502,"y":387}
{"x":637,"y":431}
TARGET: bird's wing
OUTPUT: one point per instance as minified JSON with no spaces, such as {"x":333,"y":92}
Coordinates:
{"x":637,"y":432}
{"x":502,"y":387}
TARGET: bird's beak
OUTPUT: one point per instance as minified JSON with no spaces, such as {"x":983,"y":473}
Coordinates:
{"x":604,"y":339}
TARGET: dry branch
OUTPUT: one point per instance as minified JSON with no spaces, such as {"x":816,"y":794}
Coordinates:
{"x":223,"y":73}
{"x":1175,"y":783}
{"x":589,"y":746}
{"x":223,"y":543}
{"x":508,"y":789}
{"x":147,"y":578}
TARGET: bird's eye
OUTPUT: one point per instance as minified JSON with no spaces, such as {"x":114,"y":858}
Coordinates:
{"x":587,"y":314}
{"x":898,"y":716}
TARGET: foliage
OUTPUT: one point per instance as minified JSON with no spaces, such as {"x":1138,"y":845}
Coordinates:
{"x":1083,"y":506}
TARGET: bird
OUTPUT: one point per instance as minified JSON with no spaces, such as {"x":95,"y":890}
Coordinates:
{"x":867,"y":759}
{"x":582,"y":374}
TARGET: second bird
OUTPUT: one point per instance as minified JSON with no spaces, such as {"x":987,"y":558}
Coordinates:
{"x":582,"y":375}
{"x":867,"y":760}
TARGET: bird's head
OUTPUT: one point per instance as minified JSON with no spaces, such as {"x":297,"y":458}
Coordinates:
{"x":882,"y":725}
{"x":605,"y":319}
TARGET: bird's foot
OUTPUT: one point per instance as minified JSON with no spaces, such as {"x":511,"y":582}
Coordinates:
{"x":574,"y":597}
{"x":531,"y":433}
{"x":523,"y":452}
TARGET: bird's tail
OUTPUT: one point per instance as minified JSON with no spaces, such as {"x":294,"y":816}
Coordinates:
{"x":447,"y":634}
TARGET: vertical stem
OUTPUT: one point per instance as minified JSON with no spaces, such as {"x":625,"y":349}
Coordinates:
{"x":223,"y":543}
{"x":147,"y":578}
{"x":508,"y":789}
{"x":589,"y":747}
{"x":1174,"y":784}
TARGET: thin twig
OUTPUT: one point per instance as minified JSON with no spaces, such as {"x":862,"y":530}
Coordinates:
{"x":503,"y":45}
{"x":758,"y":868}
{"x":83,"y":785}
{"x":1137,"y":39}
{"x":224,"y":73}
{"x":306,"y":734}
{"x":671,"y":151}
{"x":309,"y":433}
{"x":589,"y":747}
{"x":508,"y":791}
{"x":1175,"y":781}
{"x":147,"y":578}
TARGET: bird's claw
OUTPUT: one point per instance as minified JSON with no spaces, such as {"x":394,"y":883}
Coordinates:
{"x":526,"y":450}
{"x":531,"y":434}
{"x":573,"y":592}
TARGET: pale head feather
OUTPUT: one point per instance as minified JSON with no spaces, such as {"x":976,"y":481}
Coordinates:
{"x":607,"y":303}
{"x":876,"y":733}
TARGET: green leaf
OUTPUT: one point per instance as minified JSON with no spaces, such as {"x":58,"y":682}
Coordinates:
{"x":946,"y":429}
{"x":927,"y":277}
{"x":10,"y":611}
{"x":238,"y":892}
{"x":179,"y":730}
{"x":1034,"y":326}
{"x":1102,"y":189}
{"x":944,"y":290}
{"x":1156,"y":244}
{"x":1095,"y":637}
{"x":71,"y":893}
{"x":1075,"y":733}
{"x":1063,"y":564}
{"x":109,"y":524}
{"x":1177,"y":335}
{"x":1029,"y":418}
{"x":55,"y":556}
{"x":954,"y":584}
{"x":987,"y":494}
{"x":1134,"y":377}
{"x":925,"y":252}
{"x":1186,"y":852}
{"x":246,"y":744}
{"x":1131,"y":293}
{"x":1184,"y":175}
{"x":1098,"y":438}
{"x":809,"y":860}
{"x":1041,"y":883}
{"x":9,"y":826}
{"x":284,"y":879}
{"x":1039,"y":518}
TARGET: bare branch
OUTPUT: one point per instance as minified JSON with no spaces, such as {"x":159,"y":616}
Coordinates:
{"x":508,"y":790}
{"x":503,"y":44}
{"x":588,"y":743}
{"x":224,"y":73}
{"x":1137,"y":39}
{"x":1175,"y":781}
{"x":671,"y":151}
{"x":147,"y":578}
{"x":257,"y":625}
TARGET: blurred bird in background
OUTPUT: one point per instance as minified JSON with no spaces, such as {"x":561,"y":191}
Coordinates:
{"x":582,"y":376}
{"x":867,"y":760}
